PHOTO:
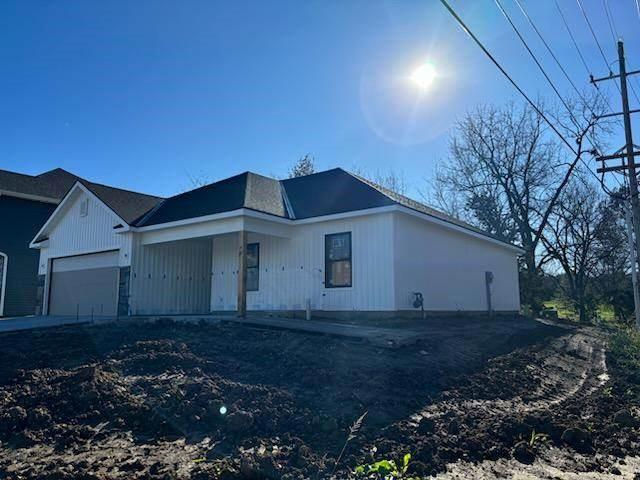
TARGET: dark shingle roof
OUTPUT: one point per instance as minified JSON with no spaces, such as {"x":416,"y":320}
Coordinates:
{"x":55,"y":184}
{"x":247,"y":190}
{"x":324,"y":193}
{"x":330,"y":192}
{"x":126,"y":204}
{"x":422,"y":208}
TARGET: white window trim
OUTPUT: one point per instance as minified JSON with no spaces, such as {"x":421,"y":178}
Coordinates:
{"x":4,"y":282}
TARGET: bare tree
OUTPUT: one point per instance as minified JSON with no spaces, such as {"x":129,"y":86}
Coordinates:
{"x":390,"y":179}
{"x":195,"y":180}
{"x":578,"y":237}
{"x":612,"y":284}
{"x":507,"y":170}
{"x":304,"y":166}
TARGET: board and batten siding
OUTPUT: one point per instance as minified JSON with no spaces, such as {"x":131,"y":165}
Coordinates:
{"x":292,"y":269}
{"x":171,"y":278}
{"x":74,"y":234}
{"x":448,"y":267}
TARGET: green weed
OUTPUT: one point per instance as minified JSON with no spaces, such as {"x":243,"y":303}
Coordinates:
{"x":385,"y":469}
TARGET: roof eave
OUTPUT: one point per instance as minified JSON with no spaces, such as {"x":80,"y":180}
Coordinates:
{"x":28,"y":196}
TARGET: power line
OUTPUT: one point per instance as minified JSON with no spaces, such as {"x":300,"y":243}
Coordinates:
{"x":575,"y":44}
{"x":633,"y":90}
{"x":586,"y":67}
{"x":553,"y":55}
{"x":612,"y":27}
{"x":615,"y":36}
{"x":593,"y":33}
{"x":559,"y":64}
{"x":537,"y":62}
{"x":517,"y":87}
{"x":504,"y":72}
{"x":546,"y":76}
{"x":595,"y":37}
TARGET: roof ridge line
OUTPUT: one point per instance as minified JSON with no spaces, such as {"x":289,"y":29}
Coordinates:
{"x":287,"y":202}
{"x":123,"y":189}
{"x":146,"y":215}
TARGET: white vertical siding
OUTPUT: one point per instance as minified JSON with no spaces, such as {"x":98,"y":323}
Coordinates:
{"x":292,"y":269}
{"x":74,"y":234}
{"x":449,"y":267}
{"x":171,"y":278}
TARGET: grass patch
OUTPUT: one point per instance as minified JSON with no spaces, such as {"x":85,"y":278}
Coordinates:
{"x":565,"y":310}
{"x":625,"y":348}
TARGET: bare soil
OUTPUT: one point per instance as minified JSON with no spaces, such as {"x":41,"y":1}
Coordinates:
{"x":168,"y":400}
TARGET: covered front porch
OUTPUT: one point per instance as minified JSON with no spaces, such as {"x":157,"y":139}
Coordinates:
{"x":201,"y":267}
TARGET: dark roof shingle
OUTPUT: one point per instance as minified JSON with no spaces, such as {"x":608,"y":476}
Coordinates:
{"x":126,"y":204}
{"x":55,"y":184}
{"x":324,"y":193}
{"x":330,"y":192}
{"x":247,"y":190}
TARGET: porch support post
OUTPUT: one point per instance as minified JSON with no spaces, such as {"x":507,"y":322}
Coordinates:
{"x":242,"y":273}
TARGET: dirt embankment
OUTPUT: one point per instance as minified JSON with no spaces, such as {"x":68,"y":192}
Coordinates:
{"x":171,"y":400}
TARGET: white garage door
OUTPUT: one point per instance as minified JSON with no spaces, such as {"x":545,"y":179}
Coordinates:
{"x":85,"y":285}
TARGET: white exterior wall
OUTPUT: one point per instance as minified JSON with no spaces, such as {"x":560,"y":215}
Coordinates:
{"x":449,"y":267}
{"x":171,"y":278}
{"x":393,"y":255}
{"x":292,"y":269}
{"x":76,"y":235}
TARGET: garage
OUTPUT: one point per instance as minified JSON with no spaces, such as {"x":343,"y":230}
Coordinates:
{"x":84,"y":285}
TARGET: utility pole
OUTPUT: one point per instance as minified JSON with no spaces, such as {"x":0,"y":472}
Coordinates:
{"x":628,"y":152}
{"x":634,"y":259}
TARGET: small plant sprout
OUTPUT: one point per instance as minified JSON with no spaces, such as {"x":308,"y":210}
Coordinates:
{"x":385,"y":469}
{"x":537,"y":438}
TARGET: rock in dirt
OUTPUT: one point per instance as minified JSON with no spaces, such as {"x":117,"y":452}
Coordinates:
{"x":38,"y":417}
{"x":454,"y":427}
{"x":625,"y":419}
{"x":426,"y":426}
{"x":577,"y":438}
{"x":240,"y":421}
{"x":13,"y":419}
{"x":523,"y":453}
{"x":87,"y":373}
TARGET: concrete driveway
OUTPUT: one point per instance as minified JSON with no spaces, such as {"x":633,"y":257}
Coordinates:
{"x":14,"y":324}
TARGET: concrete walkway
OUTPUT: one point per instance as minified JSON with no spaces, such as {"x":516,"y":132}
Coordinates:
{"x":433,"y":331}
{"x":377,"y":335}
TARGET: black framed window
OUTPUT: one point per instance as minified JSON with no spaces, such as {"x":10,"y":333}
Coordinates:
{"x":337,"y":260}
{"x":253,"y":267}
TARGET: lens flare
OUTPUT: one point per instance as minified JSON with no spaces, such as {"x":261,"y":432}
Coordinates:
{"x":424,"y":76}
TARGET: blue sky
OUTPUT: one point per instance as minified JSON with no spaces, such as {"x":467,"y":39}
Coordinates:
{"x":143,"y":94}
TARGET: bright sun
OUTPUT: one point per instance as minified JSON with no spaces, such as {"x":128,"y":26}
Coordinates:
{"x":424,"y":75}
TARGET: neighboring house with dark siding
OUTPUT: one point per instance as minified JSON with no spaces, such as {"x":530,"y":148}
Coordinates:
{"x":26,"y":201}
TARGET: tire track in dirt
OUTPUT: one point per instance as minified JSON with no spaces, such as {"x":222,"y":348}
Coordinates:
{"x":554,"y":389}
{"x":569,"y":365}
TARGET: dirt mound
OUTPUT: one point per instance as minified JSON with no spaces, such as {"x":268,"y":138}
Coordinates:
{"x":556,"y":394}
{"x":170,"y":400}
